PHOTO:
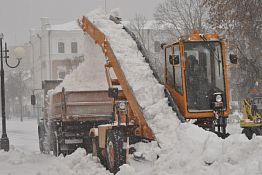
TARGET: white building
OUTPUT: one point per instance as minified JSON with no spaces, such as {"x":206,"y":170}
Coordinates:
{"x":56,"y":50}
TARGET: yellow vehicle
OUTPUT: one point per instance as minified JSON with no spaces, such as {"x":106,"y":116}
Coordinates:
{"x":198,"y":91}
{"x":252,"y":119}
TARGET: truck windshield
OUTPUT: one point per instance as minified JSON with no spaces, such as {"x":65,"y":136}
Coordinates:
{"x":203,"y":74}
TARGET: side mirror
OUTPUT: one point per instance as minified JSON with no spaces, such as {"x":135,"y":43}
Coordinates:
{"x":175,"y":60}
{"x":113,"y":92}
{"x":33,"y":101}
{"x":162,"y":45}
{"x":233,"y":58}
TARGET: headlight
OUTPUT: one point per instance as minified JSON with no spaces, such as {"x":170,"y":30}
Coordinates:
{"x":122,"y":105}
{"x":218,"y":98}
{"x":258,"y":120}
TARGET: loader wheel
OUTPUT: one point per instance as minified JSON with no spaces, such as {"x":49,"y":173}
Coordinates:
{"x":248,"y":132}
{"x":114,"y":150}
{"x":56,"y":145}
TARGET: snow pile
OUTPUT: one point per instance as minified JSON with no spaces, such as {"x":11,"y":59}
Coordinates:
{"x":201,"y":153}
{"x":17,"y":162}
{"x":77,"y":163}
{"x":126,"y":170}
{"x":89,"y":75}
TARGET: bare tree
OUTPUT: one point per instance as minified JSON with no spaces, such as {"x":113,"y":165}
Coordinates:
{"x":182,"y":16}
{"x":137,"y":25}
{"x":241,"y":23}
{"x":16,"y":91}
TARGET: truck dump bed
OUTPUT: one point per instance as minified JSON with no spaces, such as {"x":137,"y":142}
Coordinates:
{"x":80,"y":106}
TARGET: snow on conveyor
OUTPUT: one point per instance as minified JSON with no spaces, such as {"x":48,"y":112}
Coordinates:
{"x":148,"y":92}
{"x":185,"y":148}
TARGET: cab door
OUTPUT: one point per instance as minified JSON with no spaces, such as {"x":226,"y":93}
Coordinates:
{"x":173,"y":72}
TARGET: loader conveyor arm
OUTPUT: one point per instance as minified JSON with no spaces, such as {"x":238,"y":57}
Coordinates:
{"x":99,"y":37}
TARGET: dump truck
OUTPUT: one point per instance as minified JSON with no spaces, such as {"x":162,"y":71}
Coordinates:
{"x":203,"y":97}
{"x":252,"y":115}
{"x":68,"y":117}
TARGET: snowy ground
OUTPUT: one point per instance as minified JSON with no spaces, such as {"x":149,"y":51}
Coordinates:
{"x":24,"y":157}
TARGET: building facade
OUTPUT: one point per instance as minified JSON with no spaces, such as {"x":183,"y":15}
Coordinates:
{"x":56,"y":50}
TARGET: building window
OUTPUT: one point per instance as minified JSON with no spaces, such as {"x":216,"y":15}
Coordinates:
{"x":61,"y":47}
{"x":73,"y":47}
{"x":61,"y":75}
{"x":61,"y":72}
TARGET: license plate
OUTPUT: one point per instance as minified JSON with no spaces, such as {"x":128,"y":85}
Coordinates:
{"x":73,"y":141}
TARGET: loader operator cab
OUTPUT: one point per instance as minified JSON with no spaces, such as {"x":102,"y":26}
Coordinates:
{"x":256,"y":105}
{"x":196,"y":77}
{"x":203,"y":75}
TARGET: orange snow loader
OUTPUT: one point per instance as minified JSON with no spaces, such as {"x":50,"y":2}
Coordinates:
{"x":195,"y":84}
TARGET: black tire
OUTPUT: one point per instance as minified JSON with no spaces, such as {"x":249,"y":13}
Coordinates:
{"x":56,"y":145}
{"x":96,"y":151}
{"x":248,"y":132}
{"x":88,"y":142}
{"x":114,"y":150}
{"x":41,"y":139}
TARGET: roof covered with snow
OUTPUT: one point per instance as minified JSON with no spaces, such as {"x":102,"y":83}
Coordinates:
{"x":69,"y":26}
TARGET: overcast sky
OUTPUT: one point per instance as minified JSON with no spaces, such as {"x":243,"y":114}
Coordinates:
{"x":18,"y":16}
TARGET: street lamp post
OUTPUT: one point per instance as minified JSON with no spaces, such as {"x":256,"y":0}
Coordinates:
{"x":4,"y":142}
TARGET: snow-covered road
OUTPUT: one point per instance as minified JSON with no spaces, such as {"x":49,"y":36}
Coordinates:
{"x":24,"y":157}
{"x":232,"y":154}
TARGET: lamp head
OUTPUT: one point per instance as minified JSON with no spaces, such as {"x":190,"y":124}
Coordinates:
{"x":19,"y":52}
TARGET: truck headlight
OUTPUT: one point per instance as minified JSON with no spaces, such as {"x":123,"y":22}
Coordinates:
{"x":217,"y":101}
{"x":122,"y":105}
{"x":218,"y":98}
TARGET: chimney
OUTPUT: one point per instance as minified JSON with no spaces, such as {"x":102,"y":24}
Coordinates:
{"x":44,"y":23}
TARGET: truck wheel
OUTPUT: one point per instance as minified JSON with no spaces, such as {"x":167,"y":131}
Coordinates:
{"x":96,"y":151}
{"x":248,"y":132}
{"x":56,"y":145}
{"x":114,"y":150}
{"x":41,"y":139}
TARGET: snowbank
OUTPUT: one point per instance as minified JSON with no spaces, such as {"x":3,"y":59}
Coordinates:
{"x":17,"y":162}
